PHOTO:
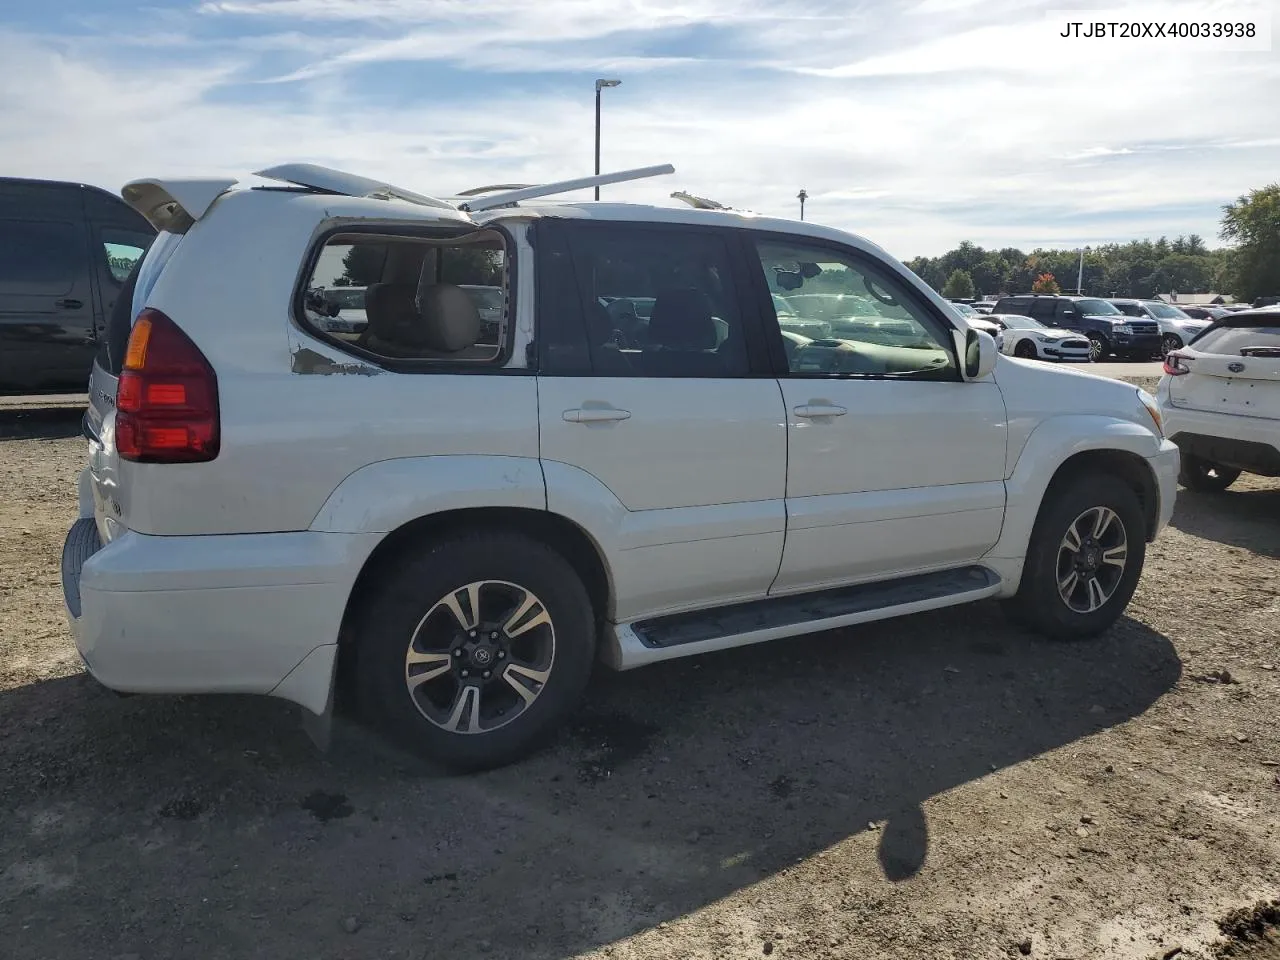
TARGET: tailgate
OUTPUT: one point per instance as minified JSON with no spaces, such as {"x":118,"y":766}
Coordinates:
{"x":1234,"y":367}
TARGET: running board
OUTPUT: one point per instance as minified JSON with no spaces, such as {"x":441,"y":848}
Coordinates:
{"x":682,"y":634}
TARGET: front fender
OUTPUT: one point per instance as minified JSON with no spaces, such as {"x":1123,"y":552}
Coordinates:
{"x":384,"y":496}
{"x":1050,"y":445}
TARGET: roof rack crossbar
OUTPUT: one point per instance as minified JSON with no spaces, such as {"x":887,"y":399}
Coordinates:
{"x":477,"y":191}
{"x":564,"y":186}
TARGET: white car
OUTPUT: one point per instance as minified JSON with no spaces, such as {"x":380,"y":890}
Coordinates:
{"x":1176,"y":328}
{"x":1220,"y":400}
{"x":984,"y":306}
{"x":1032,"y":340}
{"x":456,"y":531}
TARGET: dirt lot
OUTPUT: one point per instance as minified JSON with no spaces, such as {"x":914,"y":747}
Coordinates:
{"x":943,"y":786}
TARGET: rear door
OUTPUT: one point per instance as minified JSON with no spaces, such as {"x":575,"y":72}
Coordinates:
{"x":46,"y":291}
{"x":673,"y":425}
{"x":1234,"y":368}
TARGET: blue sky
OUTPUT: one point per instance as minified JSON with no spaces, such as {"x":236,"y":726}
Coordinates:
{"x":917,"y":123}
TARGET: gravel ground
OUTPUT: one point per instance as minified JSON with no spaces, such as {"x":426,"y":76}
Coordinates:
{"x":943,"y":786}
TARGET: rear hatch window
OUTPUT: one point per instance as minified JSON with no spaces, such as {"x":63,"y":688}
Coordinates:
{"x":132,"y":298}
{"x":1238,"y":338}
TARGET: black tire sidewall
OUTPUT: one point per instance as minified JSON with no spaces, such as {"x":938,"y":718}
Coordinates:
{"x":395,"y":608}
{"x":1194,"y":475}
{"x":1026,"y":350}
{"x":1039,"y":603}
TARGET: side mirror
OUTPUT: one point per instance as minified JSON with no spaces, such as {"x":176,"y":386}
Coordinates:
{"x":979,"y":354}
{"x":788,"y":280}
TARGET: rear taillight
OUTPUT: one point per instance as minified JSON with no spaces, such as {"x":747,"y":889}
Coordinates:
{"x":1175,"y":365}
{"x":167,"y":399}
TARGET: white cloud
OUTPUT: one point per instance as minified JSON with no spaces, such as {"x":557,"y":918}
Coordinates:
{"x":918,"y":128}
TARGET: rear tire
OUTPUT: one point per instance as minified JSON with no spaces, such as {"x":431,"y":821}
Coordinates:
{"x":1073,"y":594}
{"x":1203,"y":476}
{"x":473,"y":650}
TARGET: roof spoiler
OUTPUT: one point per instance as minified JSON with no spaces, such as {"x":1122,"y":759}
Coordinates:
{"x":174,"y":205}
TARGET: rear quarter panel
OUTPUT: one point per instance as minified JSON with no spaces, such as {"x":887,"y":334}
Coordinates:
{"x":293,"y":429}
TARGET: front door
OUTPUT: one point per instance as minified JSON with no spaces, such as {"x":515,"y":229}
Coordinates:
{"x":658,"y":429}
{"x":896,"y":465}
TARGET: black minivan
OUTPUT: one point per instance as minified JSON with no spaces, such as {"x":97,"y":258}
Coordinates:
{"x":65,"y":252}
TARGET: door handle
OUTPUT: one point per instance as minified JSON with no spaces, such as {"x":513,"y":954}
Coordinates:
{"x":596,"y":415}
{"x":810,"y":410}
{"x":69,"y":304}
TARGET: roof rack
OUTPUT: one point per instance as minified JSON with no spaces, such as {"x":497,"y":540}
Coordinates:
{"x":698,"y":203}
{"x":512,"y":197}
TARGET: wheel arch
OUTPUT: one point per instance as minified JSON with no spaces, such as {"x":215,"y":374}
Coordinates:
{"x":1127,"y":466}
{"x":1064,"y":447}
{"x":560,"y":533}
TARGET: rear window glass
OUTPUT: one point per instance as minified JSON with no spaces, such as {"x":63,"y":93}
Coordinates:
{"x":412,"y":298}
{"x":1241,"y":341}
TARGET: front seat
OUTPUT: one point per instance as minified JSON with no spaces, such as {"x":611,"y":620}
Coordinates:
{"x":683,"y":336}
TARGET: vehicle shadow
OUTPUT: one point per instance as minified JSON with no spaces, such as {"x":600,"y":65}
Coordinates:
{"x":168,"y":822}
{"x":1247,"y":518}
{"x":41,"y":423}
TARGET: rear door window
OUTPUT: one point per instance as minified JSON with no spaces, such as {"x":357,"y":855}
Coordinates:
{"x":39,"y":257}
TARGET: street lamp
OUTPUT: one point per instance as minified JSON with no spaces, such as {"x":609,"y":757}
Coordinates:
{"x":802,"y":196}
{"x":600,"y":85}
{"x":1080,"y":273}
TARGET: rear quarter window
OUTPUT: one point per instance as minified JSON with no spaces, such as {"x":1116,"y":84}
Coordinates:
{"x":412,"y":299}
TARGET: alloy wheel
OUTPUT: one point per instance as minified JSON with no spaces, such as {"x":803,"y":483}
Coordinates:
{"x":1091,"y":559}
{"x":480,"y":657}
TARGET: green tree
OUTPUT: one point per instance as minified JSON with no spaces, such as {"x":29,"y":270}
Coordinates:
{"x":959,"y":285}
{"x":1253,"y":224}
{"x":1045,"y":283}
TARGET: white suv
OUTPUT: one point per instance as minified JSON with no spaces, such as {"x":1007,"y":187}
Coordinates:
{"x":1220,"y":398}
{"x":454,"y":527}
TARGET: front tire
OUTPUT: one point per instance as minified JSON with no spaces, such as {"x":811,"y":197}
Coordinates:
{"x":1025,"y":349}
{"x":476,"y":648}
{"x":1099,"y":348}
{"x":1204,"y":476}
{"x":1084,"y":558}
{"x":1168,"y":343}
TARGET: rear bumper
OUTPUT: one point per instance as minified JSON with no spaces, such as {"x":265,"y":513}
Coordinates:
{"x":256,"y":613}
{"x":1251,"y":444}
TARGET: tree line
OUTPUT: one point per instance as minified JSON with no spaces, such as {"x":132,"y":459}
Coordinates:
{"x":1139,"y":268}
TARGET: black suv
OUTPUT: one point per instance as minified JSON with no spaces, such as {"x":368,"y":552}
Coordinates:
{"x":1108,"y":329}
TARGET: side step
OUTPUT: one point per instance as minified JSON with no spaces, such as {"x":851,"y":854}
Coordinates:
{"x":662,"y":638}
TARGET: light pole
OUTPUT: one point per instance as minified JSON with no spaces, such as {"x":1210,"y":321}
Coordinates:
{"x":600,"y":85}
{"x":802,"y":196}
{"x":1080,"y":273}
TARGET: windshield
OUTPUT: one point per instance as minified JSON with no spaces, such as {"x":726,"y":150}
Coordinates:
{"x":1164,"y":311}
{"x":1098,"y":307}
{"x":347,"y":298}
{"x":965,"y":309}
{"x":1130,"y":309}
{"x":486,"y":297}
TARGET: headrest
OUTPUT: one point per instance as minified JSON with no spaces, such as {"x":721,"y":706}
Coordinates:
{"x":450,"y":319}
{"x":392,"y":314}
{"x":682,"y":320}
